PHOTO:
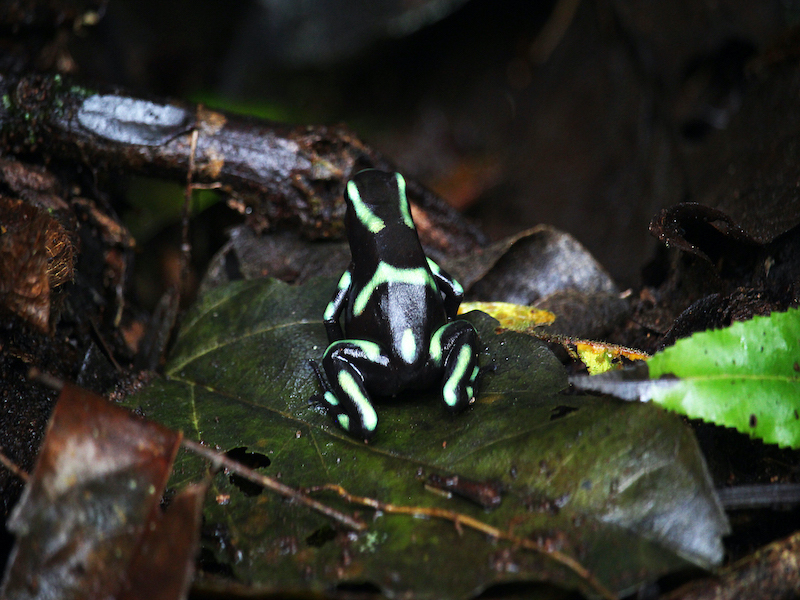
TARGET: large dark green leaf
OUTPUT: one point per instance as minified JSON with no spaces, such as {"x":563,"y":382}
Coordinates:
{"x":619,"y":487}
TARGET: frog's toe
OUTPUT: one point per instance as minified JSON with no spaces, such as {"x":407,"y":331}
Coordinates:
{"x":459,"y":389}
{"x":355,"y":427}
{"x":457,"y":397}
{"x":354,"y":424}
{"x":360,"y":421}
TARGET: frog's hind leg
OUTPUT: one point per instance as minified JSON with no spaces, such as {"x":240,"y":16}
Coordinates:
{"x":455,"y":347}
{"x":346,"y":396}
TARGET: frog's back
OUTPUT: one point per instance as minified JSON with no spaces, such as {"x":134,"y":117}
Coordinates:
{"x":397,"y":308}
{"x":394,"y":300}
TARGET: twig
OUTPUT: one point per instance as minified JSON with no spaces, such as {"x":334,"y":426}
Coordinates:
{"x":186,"y":247}
{"x":104,"y":346}
{"x":47,"y":379}
{"x":220,"y":460}
{"x":460,"y":520}
{"x":759,"y":495}
{"x":13,"y":467}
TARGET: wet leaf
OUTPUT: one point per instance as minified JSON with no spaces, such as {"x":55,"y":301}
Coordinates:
{"x":163,"y":565}
{"x":746,"y":376}
{"x":84,"y":513}
{"x":530,"y":266}
{"x":620,"y":488}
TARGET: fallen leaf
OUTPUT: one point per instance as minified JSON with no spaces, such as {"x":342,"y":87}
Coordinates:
{"x":600,"y":357}
{"x":163,"y":566}
{"x":529,"y":266}
{"x":35,"y":255}
{"x":620,"y":488}
{"x":83,"y":514}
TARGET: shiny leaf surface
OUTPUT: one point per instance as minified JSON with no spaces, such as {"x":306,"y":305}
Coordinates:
{"x":620,"y":488}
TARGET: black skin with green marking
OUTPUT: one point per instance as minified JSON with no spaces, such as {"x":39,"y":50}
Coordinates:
{"x":399,"y":307}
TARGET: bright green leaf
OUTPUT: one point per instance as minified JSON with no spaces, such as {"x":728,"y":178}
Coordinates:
{"x":621,"y":488}
{"x":746,"y":376}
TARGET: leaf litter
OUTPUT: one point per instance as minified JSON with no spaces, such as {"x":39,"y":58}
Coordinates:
{"x":89,"y":522}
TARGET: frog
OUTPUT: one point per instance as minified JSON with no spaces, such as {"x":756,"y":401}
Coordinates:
{"x":401,"y":330}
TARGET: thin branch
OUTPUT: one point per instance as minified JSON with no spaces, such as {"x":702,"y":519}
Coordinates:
{"x":13,"y":467}
{"x":47,"y":379}
{"x":280,"y":174}
{"x":461,"y":520}
{"x":186,"y":247}
{"x":759,"y":495}
{"x":220,"y":460}
{"x":104,"y":346}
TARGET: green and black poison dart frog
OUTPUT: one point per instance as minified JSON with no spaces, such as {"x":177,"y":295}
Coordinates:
{"x":399,"y":312}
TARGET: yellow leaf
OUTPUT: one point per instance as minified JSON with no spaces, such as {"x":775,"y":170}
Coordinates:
{"x":600,"y":357}
{"x":511,"y":316}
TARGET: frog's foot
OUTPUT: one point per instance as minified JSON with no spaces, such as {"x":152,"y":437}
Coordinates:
{"x":346,"y":398}
{"x":455,"y":346}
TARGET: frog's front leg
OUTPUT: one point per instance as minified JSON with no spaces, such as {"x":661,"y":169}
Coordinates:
{"x":335,"y":307}
{"x":451,"y":290}
{"x":454,"y":346}
{"x":346,"y":363}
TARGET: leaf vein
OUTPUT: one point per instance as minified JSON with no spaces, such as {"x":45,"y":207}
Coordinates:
{"x":222,"y":344}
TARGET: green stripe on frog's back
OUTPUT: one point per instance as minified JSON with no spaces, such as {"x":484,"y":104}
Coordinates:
{"x":368,"y":218}
{"x":403,"y":200}
{"x":371,"y":350}
{"x":386,"y":273}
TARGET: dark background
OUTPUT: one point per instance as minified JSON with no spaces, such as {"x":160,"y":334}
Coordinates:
{"x":593,"y":136}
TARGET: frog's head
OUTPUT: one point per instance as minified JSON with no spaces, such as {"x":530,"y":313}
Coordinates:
{"x":376,"y":200}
